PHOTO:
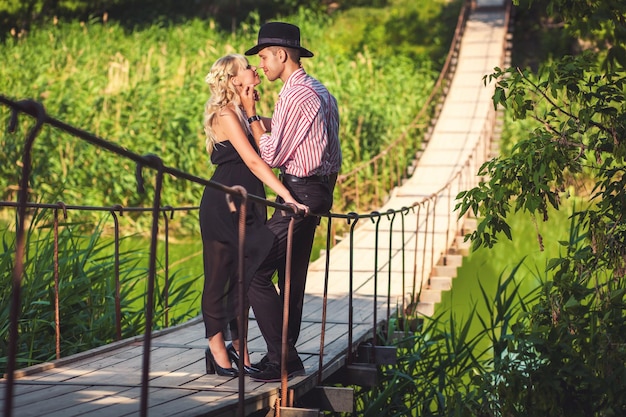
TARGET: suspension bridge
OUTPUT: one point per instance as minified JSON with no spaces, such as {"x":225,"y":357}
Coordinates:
{"x":396,"y":259}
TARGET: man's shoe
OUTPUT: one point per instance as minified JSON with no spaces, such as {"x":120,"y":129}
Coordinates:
{"x":260,"y":365}
{"x":271,"y":372}
{"x":295,"y":368}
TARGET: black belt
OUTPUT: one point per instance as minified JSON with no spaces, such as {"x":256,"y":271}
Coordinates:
{"x":304,"y":180}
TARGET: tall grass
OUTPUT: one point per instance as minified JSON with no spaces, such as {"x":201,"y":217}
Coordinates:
{"x":145,"y":91}
{"x":437,"y":366}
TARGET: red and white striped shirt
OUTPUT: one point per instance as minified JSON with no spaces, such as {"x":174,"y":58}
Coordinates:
{"x":304,"y":139}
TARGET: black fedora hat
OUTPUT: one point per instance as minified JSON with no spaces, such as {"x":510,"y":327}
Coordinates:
{"x":279,"y":34}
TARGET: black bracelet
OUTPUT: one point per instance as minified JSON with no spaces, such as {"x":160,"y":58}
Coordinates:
{"x":254,"y":118}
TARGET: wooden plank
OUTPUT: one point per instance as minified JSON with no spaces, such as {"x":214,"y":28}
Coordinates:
{"x":299,"y":412}
{"x":30,"y":404}
{"x":95,"y":402}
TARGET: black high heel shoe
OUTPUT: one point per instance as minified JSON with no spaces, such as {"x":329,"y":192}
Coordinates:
{"x":234,"y":356}
{"x":213,"y":368}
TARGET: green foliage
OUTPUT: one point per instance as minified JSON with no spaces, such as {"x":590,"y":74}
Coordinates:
{"x":18,"y":15}
{"x":577,"y":140}
{"x":538,"y":37}
{"x":578,"y":136}
{"x":96,"y":77}
{"x":554,"y":348}
{"x":438,"y":364}
{"x":565,"y":355}
{"x":368,"y":106}
{"x":595,"y":24}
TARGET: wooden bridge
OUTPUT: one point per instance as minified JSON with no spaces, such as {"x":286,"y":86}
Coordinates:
{"x":409,"y":247}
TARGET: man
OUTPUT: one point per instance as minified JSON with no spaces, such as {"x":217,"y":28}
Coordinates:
{"x":303,"y":143}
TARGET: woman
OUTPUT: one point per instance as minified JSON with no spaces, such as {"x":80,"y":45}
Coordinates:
{"x":232,"y":149}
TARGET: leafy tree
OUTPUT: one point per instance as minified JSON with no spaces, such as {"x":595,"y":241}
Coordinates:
{"x":566,"y":356}
{"x":578,"y":103}
{"x":18,"y":15}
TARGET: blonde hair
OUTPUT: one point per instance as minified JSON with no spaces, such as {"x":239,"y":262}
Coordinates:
{"x":223,"y":93}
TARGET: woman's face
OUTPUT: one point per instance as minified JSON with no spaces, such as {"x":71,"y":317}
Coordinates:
{"x":249,"y":76}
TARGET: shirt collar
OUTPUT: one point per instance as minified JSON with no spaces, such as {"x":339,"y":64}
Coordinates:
{"x":294,"y":79}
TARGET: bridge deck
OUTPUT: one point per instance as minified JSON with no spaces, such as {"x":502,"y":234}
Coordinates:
{"x":107,"y":381}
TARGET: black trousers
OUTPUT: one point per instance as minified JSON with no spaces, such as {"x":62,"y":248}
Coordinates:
{"x":266,"y":302}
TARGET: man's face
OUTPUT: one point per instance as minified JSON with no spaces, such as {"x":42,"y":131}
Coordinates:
{"x":270,"y":63}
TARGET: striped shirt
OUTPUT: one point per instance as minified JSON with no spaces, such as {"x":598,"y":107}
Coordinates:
{"x":304,"y":138}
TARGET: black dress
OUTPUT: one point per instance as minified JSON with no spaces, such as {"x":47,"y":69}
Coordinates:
{"x":219,"y":227}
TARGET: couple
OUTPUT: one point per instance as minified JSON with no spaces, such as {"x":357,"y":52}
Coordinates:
{"x":301,"y":140}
